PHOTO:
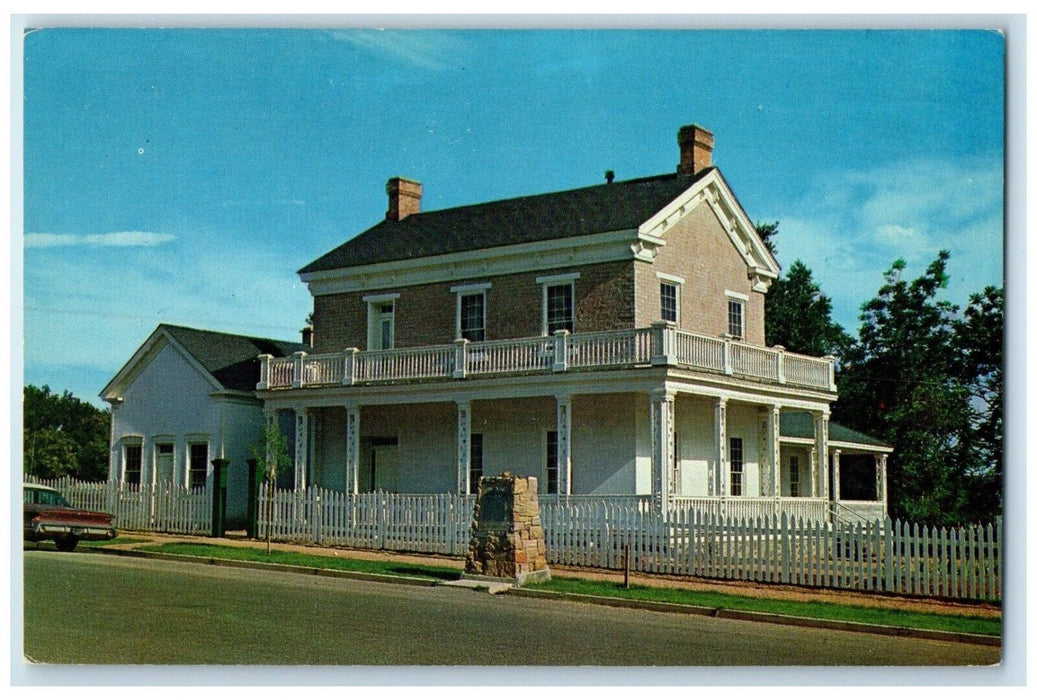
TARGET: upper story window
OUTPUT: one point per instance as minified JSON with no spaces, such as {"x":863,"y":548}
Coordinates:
{"x":381,"y":321}
{"x":559,"y":305}
{"x":471,"y":311}
{"x":669,"y":297}
{"x":736,"y":315}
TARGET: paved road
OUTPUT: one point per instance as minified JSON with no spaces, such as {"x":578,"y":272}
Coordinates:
{"x":97,"y":609}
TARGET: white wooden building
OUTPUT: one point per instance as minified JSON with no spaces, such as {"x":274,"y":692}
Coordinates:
{"x":185,"y":398}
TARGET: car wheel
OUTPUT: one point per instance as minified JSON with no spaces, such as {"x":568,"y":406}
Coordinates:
{"x":66,"y":544}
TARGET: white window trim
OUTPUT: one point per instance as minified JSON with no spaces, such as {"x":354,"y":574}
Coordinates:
{"x":374,"y":300}
{"x":556,"y":281}
{"x":677,"y":282}
{"x":130,"y":441}
{"x":744,"y":300}
{"x":465,"y":290}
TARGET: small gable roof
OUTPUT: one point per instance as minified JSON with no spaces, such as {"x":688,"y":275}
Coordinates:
{"x":614,"y":206}
{"x":800,"y":424}
{"x":230,"y":361}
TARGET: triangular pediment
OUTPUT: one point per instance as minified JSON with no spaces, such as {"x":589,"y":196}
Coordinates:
{"x":146,"y":353}
{"x":713,"y":191}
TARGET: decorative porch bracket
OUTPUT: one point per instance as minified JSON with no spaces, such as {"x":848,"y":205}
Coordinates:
{"x":563,"y":424}
{"x":464,"y":450}
{"x":352,"y":448}
{"x":663,"y":440}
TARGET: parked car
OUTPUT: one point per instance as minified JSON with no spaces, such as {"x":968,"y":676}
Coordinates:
{"x":48,"y":516}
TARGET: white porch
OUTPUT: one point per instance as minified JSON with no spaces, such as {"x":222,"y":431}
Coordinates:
{"x":666,"y":446}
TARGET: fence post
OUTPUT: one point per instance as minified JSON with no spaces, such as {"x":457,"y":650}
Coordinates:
{"x":781,"y":363}
{"x":460,"y":358}
{"x":219,"y":496}
{"x":298,"y":359}
{"x":264,"y":372}
{"x":784,"y":547}
{"x":561,"y":348}
{"x":349,"y":366}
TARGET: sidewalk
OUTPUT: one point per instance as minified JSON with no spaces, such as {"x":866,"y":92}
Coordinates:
{"x":741,"y":588}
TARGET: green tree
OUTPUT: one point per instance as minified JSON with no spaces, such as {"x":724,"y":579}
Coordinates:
{"x":767,"y":232}
{"x":979,"y":355}
{"x":903,"y":381}
{"x":62,"y":428}
{"x":271,"y":451}
{"x":799,"y":316}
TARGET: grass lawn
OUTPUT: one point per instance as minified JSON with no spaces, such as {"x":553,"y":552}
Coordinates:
{"x":818,"y":609}
{"x":813,"y":609}
{"x":388,"y":568}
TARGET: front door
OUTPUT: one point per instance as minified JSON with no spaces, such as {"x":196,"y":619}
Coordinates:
{"x":384,"y":468}
{"x":164,"y":462}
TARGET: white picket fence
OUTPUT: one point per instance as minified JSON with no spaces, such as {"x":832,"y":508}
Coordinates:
{"x":162,"y":507}
{"x":605,"y":532}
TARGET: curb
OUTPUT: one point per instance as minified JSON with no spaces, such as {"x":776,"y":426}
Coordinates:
{"x":654,"y":606}
{"x":772,"y":618}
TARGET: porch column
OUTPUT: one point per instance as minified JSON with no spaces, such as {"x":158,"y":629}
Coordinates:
{"x":835,"y":474}
{"x":302,"y":446}
{"x":663,"y":439}
{"x":464,"y":447}
{"x":563,"y":424}
{"x":774,"y":448}
{"x":718,"y":484}
{"x":821,"y":447}
{"x":352,"y":448}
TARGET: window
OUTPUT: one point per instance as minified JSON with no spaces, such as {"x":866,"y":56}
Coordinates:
{"x":381,"y":321}
{"x":552,"y":461}
{"x":199,"y":465}
{"x":132,"y":460}
{"x":475,"y":462}
{"x":736,"y":318}
{"x":793,"y":476}
{"x":559,"y":308}
{"x":737,"y":460}
{"x":472,"y":319}
{"x":668,"y":297}
{"x":559,"y":305}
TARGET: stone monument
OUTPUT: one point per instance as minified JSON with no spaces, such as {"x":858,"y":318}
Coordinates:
{"x":507,"y":538}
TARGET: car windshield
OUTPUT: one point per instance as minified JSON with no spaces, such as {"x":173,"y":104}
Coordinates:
{"x":45,"y":497}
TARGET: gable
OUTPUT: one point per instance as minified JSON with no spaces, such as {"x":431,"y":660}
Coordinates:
{"x":713,"y":192}
{"x":225,"y":361}
{"x":157,"y":355}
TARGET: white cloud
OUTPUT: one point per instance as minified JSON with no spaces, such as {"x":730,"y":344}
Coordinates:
{"x":118,"y":239}
{"x":850,"y":226}
{"x":430,"y":50}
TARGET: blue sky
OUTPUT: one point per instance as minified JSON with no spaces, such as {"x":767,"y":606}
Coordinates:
{"x":183,"y":176}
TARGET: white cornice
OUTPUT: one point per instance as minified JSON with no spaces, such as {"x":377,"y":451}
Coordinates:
{"x":713,"y":191}
{"x":485,"y":262}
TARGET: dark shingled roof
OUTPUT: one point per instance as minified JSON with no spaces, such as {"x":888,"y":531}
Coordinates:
{"x":800,"y":424}
{"x":597,"y":209}
{"x":231,"y":359}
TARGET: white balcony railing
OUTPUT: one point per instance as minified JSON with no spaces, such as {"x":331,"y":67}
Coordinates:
{"x":662,"y":344}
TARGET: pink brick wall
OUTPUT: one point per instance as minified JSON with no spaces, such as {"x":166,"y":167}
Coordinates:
{"x":426,"y":314}
{"x":699,"y":250}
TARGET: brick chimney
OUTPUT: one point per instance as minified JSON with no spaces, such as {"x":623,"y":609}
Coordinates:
{"x":404,"y":198}
{"x":696,"y":146}
{"x":307,"y":336}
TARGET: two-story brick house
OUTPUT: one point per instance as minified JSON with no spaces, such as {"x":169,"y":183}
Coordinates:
{"x":607,"y":339}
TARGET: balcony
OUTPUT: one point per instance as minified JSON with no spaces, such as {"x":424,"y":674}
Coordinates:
{"x":661,"y":345}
